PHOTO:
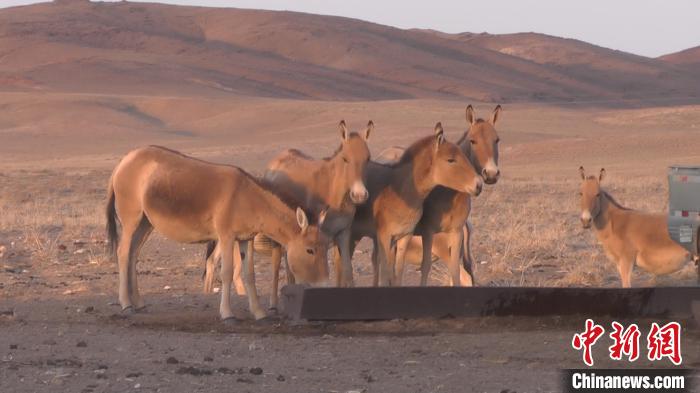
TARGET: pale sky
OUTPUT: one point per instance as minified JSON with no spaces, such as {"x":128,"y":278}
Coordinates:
{"x":645,"y":27}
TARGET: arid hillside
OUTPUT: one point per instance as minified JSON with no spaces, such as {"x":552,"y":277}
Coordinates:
{"x":137,"y":48}
{"x":689,"y":58}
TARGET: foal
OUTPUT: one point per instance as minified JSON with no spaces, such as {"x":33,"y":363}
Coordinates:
{"x":629,"y":236}
{"x":193,"y":201}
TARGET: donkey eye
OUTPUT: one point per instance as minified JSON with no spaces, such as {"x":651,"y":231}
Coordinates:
{"x":580,"y":194}
{"x":451,"y":160}
{"x":597,"y":195}
{"x":345,"y":159}
{"x":472,"y":141}
{"x":498,"y":140}
{"x":310,"y":251}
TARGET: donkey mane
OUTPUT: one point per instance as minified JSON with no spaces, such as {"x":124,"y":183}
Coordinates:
{"x":614,"y":201}
{"x":410,"y":152}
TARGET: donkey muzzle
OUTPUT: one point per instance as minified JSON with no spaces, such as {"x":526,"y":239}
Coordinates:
{"x":490,"y":175}
{"x":478,"y":187}
{"x":358,"y":193}
{"x":586,"y":219}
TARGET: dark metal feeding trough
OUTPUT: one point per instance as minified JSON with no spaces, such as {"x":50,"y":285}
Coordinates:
{"x":345,"y":304}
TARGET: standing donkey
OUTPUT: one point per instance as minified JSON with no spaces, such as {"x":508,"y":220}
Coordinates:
{"x":446,"y":211}
{"x":397,"y":192}
{"x":157,"y":188}
{"x":335,"y":185}
{"x":629,"y":236}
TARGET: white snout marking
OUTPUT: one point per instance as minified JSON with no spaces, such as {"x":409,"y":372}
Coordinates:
{"x":586,"y":215}
{"x":491,"y":168}
{"x":358,"y":190}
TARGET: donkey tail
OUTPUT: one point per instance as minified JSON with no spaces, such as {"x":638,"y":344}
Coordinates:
{"x":111,"y":213}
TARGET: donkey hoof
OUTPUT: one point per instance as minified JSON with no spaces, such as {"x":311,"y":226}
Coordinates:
{"x":266,"y":321}
{"x":128,"y":310}
{"x":273,"y":310}
{"x":230,"y":321}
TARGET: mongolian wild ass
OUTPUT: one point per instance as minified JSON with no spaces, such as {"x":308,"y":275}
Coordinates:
{"x":193,"y":201}
{"x":397,"y":192}
{"x":444,"y":225}
{"x":629,"y":236}
{"x":335,"y":184}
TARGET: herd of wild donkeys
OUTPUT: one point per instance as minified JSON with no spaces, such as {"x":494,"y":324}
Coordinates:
{"x":414,"y":200}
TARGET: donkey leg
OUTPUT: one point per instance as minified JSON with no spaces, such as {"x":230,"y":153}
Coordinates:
{"x":624,"y":266}
{"x":130,"y":223}
{"x":337,"y":266}
{"x":401,"y":248}
{"x":210,"y":267}
{"x":137,"y":240}
{"x":249,"y":281}
{"x":387,"y":260}
{"x":455,"y":241}
{"x":426,"y":262}
{"x":467,"y":260}
{"x":375,"y":263}
{"x":276,"y":263}
{"x":237,"y":280}
{"x":343,"y":241}
{"x":291,"y":280}
{"x":226,"y":247}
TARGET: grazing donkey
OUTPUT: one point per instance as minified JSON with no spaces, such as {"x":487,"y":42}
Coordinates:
{"x":397,"y":192}
{"x":629,"y":236}
{"x":335,"y":185}
{"x":446,"y":211}
{"x":157,"y":188}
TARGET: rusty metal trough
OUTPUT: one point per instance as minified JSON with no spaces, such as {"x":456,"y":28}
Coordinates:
{"x":368,"y":303}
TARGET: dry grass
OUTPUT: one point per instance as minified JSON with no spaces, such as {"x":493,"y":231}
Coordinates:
{"x":44,"y":211}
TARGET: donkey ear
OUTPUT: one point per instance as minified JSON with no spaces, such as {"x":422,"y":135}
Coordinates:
{"x":601,"y":175}
{"x":439,"y":134}
{"x":370,"y":128}
{"x":494,"y":115}
{"x":582,"y":172}
{"x":302,"y":220}
{"x":322,"y":216}
{"x":343,"y":130}
{"x":471,"y":118}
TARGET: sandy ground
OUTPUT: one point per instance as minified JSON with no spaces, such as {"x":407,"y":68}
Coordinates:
{"x":61,"y":330}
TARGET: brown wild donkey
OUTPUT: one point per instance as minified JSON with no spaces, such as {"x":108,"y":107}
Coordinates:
{"x":397,"y":193}
{"x":335,"y":185}
{"x":446,"y":211}
{"x":629,"y":236}
{"x":193,"y":201}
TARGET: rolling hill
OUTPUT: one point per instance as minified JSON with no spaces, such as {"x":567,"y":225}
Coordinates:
{"x":689,"y":58}
{"x":144,"y":49}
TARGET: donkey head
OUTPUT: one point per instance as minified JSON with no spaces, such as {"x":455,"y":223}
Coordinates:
{"x":307,"y":251}
{"x":590,"y":196}
{"x":450,"y":167}
{"x":353,"y":157}
{"x":481,"y":144}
